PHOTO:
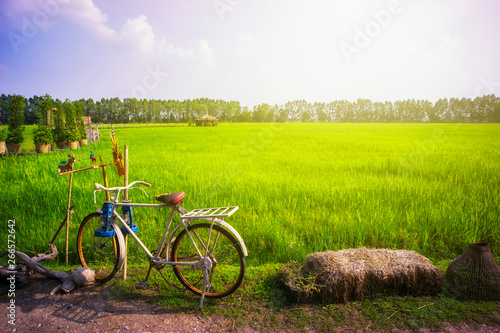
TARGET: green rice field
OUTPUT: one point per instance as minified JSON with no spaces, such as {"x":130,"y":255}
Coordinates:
{"x":301,"y":188}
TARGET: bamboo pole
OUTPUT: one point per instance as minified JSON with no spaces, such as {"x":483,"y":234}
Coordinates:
{"x":105,"y":176}
{"x":125,"y":176}
{"x":125,"y":183}
{"x":68,"y":215}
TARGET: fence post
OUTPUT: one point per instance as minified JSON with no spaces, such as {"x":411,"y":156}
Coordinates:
{"x":68,"y":216}
{"x":125,"y":183}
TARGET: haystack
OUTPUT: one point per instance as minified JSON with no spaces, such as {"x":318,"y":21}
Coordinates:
{"x":355,"y":274}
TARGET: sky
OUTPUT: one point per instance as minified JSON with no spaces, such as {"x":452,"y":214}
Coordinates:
{"x":251,"y":51}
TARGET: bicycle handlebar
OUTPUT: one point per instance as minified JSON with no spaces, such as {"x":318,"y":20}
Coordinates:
{"x":99,"y":187}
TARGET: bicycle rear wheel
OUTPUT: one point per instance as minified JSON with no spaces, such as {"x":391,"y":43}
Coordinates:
{"x":101,"y":254}
{"x":228,"y":262}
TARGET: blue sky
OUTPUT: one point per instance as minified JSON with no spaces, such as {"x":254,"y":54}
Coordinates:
{"x":252,"y":51}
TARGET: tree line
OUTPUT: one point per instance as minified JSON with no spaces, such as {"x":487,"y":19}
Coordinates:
{"x":131,"y":110}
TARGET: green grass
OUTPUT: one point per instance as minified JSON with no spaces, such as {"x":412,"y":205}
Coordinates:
{"x":28,"y":145}
{"x":301,"y":188}
{"x":264,"y":304}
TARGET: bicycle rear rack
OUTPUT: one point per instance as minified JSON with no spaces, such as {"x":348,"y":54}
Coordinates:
{"x":209,"y":213}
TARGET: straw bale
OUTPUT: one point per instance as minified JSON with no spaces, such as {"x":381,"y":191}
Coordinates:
{"x":355,"y":274}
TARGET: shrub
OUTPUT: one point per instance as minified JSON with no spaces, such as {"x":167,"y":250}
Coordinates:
{"x":16,"y":119}
{"x":82,"y":131}
{"x":43,"y":135}
{"x":46,"y":106}
{"x":58,"y":122}
{"x":15,"y":135}
{"x":3,"y":135}
{"x":79,"y":119}
{"x":73,"y":122}
{"x":72,"y":134}
{"x":60,"y":134}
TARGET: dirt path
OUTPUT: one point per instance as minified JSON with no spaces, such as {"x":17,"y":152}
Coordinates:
{"x":95,"y":310}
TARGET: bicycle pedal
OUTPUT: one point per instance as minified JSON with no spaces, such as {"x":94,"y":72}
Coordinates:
{"x":141,"y":285}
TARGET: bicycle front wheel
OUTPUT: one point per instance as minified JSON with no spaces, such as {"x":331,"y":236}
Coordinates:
{"x":228,"y":262}
{"x":101,"y":254}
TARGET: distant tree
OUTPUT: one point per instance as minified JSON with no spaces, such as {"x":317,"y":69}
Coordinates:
{"x":281,"y":115}
{"x":102,"y":112}
{"x":478,"y":110}
{"x":349,"y":115}
{"x":43,"y":133}
{"x":378,"y":112}
{"x":489,"y":106}
{"x":272,"y":114}
{"x":71,"y":126}
{"x":4,"y":114}
{"x":481,"y":109}
{"x":260,"y":112}
{"x":32,"y":112}
{"x":69,"y":113}
{"x":58,"y":122}
{"x":16,"y":119}
{"x":321,"y":112}
{"x":46,"y":105}
{"x":89,"y":109}
{"x":245,"y":115}
{"x":80,"y":124}
{"x":114,"y":110}
{"x":495,"y":115}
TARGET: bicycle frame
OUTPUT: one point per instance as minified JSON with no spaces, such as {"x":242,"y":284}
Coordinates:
{"x":154,"y":258}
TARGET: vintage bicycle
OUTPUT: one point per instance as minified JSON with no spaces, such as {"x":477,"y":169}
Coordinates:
{"x":206,"y":253}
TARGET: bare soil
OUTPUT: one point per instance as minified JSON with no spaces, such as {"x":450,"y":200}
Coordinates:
{"x":96,"y":309}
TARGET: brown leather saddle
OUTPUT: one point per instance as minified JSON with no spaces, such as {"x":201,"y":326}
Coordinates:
{"x":171,"y":199}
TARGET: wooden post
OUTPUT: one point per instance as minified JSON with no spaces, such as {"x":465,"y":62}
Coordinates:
{"x":125,"y":183}
{"x":105,"y":176}
{"x":68,"y":215}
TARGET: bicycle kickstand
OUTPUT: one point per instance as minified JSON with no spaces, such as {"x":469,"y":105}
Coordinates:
{"x":206,"y":285}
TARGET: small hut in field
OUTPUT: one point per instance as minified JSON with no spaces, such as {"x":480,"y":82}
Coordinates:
{"x":207,"y":120}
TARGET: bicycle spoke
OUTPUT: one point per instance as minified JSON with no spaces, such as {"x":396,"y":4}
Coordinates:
{"x":101,"y":254}
{"x":228,"y":264}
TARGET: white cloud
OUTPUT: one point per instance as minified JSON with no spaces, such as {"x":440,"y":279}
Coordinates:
{"x":178,"y":52}
{"x":85,"y":12}
{"x":136,"y":32}
{"x":206,"y":53}
{"x":139,"y":32}
{"x":444,"y":41}
{"x":245,"y":36}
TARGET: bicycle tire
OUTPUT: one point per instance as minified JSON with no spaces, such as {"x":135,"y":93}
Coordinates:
{"x":228,"y":261}
{"x":104,"y":255}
